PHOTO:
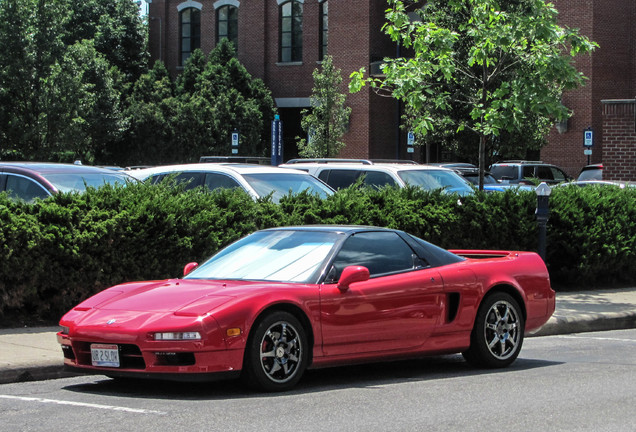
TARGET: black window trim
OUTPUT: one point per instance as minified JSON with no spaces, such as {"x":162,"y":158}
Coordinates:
{"x":192,"y":9}
{"x":230,"y":7}
{"x":322,"y":30}
{"x":292,"y":47}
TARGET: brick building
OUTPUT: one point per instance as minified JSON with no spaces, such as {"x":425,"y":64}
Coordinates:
{"x":619,"y":139}
{"x":611,"y":73}
{"x":283,"y":41}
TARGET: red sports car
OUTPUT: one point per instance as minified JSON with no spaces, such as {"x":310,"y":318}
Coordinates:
{"x":284,"y":299}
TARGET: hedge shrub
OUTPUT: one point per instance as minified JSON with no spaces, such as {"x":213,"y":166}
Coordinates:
{"x":56,"y":252}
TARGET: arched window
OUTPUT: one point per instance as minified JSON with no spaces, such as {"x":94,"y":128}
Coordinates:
{"x":227,"y":24}
{"x":291,"y":31}
{"x":324,"y":28}
{"x":190,"y":23}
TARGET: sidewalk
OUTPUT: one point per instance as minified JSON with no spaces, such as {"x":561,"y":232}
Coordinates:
{"x":31,"y":354}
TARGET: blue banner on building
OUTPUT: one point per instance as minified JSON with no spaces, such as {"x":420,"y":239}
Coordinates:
{"x":277,"y":141}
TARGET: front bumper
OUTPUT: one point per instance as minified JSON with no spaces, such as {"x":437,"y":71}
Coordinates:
{"x":153,"y":359}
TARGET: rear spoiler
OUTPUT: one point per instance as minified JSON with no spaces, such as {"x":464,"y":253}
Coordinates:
{"x":477,"y":254}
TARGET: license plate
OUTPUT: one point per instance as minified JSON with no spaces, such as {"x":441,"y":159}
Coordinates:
{"x":105,"y":355}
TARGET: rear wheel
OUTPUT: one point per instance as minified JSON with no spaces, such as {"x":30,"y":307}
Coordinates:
{"x":497,"y":336}
{"x":276,"y":353}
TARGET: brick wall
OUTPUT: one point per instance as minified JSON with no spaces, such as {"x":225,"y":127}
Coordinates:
{"x":619,"y":140}
{"x":611,"y":73}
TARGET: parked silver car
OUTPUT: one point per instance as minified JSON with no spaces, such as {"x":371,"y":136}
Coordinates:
{"x":258,"y":181}
{"x":339,"y":174}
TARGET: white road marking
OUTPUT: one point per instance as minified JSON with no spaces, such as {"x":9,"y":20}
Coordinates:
{"x":83,"y":404}
{"x":596,"y":338}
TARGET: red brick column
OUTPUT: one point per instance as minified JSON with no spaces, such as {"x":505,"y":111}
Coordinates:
{"x":619,"y":139}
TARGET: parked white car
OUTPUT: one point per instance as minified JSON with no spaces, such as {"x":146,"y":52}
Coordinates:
{"x":342,"y":173}
{"x":257,"y":180}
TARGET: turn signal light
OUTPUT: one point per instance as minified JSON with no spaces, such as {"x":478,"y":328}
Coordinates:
{"x":233,"y":332}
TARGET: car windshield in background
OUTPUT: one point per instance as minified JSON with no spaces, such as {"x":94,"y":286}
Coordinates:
{"x":291,"y":256}
{"x":79,"y":182}
{"x":281,"y":185}
{"x":434,"y":179}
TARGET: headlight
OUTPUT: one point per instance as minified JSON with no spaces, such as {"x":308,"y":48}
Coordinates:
{"x":172,"y":336}
{"x":64,"y":330}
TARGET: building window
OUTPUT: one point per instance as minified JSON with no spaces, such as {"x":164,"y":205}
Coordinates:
{"x":324,"y":28}
{"x":227,"y":24}
{"x":291,"y":31}
{"x":190,"y":19}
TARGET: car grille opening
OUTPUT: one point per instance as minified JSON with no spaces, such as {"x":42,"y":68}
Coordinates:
{"x":129,"y":355}
{"x":174,"y":359}
{"x":67,"y":350}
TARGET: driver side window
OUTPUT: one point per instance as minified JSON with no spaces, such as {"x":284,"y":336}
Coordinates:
{"x":380,"y":252}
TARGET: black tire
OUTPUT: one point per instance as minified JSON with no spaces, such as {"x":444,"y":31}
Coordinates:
{"x":497,"y":336}
{"x":276,"y":353}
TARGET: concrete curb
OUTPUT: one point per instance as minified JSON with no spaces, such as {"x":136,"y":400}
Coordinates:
{"x":587,"y":323}
{"x":35,"y":373}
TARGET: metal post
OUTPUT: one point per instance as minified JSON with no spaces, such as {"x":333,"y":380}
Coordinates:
{"x":543,"y":214}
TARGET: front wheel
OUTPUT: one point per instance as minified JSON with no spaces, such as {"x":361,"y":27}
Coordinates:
{"x":276,"y":353}
{"x":497,"y":336}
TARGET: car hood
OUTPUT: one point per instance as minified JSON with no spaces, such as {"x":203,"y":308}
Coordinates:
{"x":177,"y":295}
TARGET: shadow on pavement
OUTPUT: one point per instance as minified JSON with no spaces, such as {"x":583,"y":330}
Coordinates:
{"x":314,"y":381}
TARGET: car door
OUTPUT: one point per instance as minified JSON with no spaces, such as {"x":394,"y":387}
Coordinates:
{"x":396,"y":309}
{"x":544,"y":173}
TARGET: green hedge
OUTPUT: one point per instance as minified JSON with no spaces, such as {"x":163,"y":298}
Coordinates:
{"x":56,"y":252}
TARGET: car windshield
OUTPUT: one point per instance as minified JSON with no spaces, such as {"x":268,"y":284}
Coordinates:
{"x":591,"y":174}
{"x":280,"y":185}
{"x":79,"y":182}
{"x":289,"y":256}
{"x":437,"y":179}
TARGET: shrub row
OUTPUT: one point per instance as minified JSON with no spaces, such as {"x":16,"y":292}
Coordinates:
{"x":56,"y":252}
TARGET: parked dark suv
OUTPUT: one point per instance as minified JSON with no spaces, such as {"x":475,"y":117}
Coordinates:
{"x":525,"y":172}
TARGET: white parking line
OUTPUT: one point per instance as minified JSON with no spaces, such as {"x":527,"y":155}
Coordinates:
{"x":83,"y":404}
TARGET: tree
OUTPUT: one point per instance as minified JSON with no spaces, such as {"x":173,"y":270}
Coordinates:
{"x":63,"y":68}
{"x":219,"y":96}
{"x":117,"y":30}
{"x":328,"y":119}
{"x":502,"y":65}
{"x":80,"y":105}
{"x":30,"y":36}
{"x":196,"y":114}
{"x":150,"y":111}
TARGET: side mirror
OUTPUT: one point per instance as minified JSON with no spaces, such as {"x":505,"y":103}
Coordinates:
{"x":351,"y":275}
{"x":189,"y":267}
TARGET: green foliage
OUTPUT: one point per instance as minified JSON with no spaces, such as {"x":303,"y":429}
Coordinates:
{"x":117,"y":30}
{"x":173,"y":122}
{"x":592,"y":236}
{"x":495,"y":68}
{"x":64,"y":67}
{"x":328,"y":118}
{"x":56,"y":252}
